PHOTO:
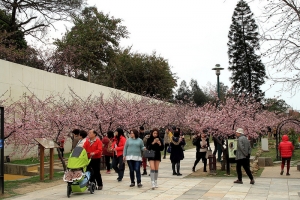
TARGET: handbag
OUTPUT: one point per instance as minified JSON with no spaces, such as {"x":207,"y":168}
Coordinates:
{"x":149,"y":154}
{"x":208,"y":153}
{"x":169,"y":149}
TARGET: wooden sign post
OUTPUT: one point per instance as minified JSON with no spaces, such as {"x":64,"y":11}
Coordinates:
{"x":46,"y":144}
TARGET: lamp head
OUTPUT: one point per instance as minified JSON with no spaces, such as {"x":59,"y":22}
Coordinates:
{"x":218,"y":69}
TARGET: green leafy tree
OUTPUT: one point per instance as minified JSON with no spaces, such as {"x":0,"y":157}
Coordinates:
{"x":13,"y":38}
{"x":33,"y":17}
{"x":277,"y":106}
{"x":248,"y":71}
{"x":141,"y":74}
{"x":198,"y":95}
{"x":183,"y":93}
{"x":13,"y":46}
{"x":90,"y":44}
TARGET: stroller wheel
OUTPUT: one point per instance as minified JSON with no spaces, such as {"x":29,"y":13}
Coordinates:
{"x":69,"y":190}
{"x":92,"y":187}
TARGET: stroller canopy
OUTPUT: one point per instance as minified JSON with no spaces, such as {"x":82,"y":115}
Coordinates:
{"x":78,"y":159}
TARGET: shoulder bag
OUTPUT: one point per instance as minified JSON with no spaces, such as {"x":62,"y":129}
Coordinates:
{"x":208,"y":153}
{"x":149,"y":153}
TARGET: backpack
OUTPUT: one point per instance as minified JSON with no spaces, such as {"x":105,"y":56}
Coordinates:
{"x":109,"y":147}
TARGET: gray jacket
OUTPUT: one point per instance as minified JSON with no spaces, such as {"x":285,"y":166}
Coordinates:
{"x":243,"y":148}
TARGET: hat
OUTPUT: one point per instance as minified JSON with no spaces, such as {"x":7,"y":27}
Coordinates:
{"x":240,"y":130}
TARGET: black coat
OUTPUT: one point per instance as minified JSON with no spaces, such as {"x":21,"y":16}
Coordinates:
{"x":155,"y":147}
{"x":176,"y":150}
{"x":196,"y":142}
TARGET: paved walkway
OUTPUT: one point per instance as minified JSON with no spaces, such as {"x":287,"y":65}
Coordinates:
{"x":181,"y":188}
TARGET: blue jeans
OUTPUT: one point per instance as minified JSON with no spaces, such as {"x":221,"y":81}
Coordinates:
{"x":134,"y":165}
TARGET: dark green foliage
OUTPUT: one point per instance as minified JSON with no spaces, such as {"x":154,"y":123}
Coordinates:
{"x":140,"y":74}
{"x":90,"y":45}
{"x":198,"y":95}
{"x":193,"y":95}
{"x":248,"y":72}
{"x":276,"y":106}
{"x":184,"y":94}
{"x":33,"y":17}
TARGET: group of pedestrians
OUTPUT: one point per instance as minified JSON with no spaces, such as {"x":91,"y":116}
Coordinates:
{"x":116,"y":147}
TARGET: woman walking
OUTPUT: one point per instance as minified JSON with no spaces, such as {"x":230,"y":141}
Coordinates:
{"x":176,"y":152}
{"x":118,"y":147}
{"x":167,"y":137}
{"x":107,"y":149}
{"x":286,"y":149}
{"x":202,"y":143}
{"x":93,"y":147}
{"x":132,"y":153}
{"x":154,"y":143}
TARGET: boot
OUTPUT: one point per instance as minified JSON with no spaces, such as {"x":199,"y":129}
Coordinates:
{"x":193,"y":169}
{"x":178,"y":170}
{"x":204,"y":169}
{"x":152,"y":179}
{"x":145,"y":172}
{"x":173,"y":168}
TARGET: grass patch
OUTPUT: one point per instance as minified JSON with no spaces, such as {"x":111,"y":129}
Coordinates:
{"x":11,"y":186}
{"x":272,"y":151}
{"x":35,"y":160}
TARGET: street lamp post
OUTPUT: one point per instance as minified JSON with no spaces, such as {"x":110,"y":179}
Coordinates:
{"x":218,"y":69}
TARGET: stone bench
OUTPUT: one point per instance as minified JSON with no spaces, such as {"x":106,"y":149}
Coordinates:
{"x":265,"y":161}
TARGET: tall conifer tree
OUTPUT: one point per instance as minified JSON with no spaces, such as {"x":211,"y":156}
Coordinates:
{"x":248,"y":72}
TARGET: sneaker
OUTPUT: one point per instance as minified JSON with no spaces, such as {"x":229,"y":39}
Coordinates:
{"x":174,"y":173}
{"x":281,"y":172}
{"x":252,"y":182}
{"x":119,"y":180}
{"x":108,"y":171}
{"x":238,"y":181}
{"x":193,"y":169}
{"x":155,"y":183}
{"x":132,"y":185}
{"x":178,"y":174}
{"x":287,"y":174}
{"x":139,"y":185}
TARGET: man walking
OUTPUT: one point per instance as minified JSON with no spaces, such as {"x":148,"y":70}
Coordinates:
{"x":242,"y":156}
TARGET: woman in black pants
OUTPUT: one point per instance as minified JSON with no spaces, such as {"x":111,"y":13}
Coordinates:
{"x":93,"y":146}
{"x":202,"y":143}
{"x":107,"y":149}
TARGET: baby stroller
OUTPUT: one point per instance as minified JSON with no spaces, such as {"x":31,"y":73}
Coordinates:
{"x":76,"y":176}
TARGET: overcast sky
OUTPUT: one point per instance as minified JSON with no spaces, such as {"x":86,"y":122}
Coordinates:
{"x":190,"y":34}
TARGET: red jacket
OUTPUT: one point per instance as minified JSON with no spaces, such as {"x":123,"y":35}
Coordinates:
{"x":120,"y":145}
{"x":286,"y":147}
{"x":105,"y":142}
{"x":96,"y":148}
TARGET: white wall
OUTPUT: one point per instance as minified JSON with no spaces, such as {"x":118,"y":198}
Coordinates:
{"x":15,"y":80}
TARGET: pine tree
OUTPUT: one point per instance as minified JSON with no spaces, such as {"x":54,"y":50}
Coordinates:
{"x":248,"y":72}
